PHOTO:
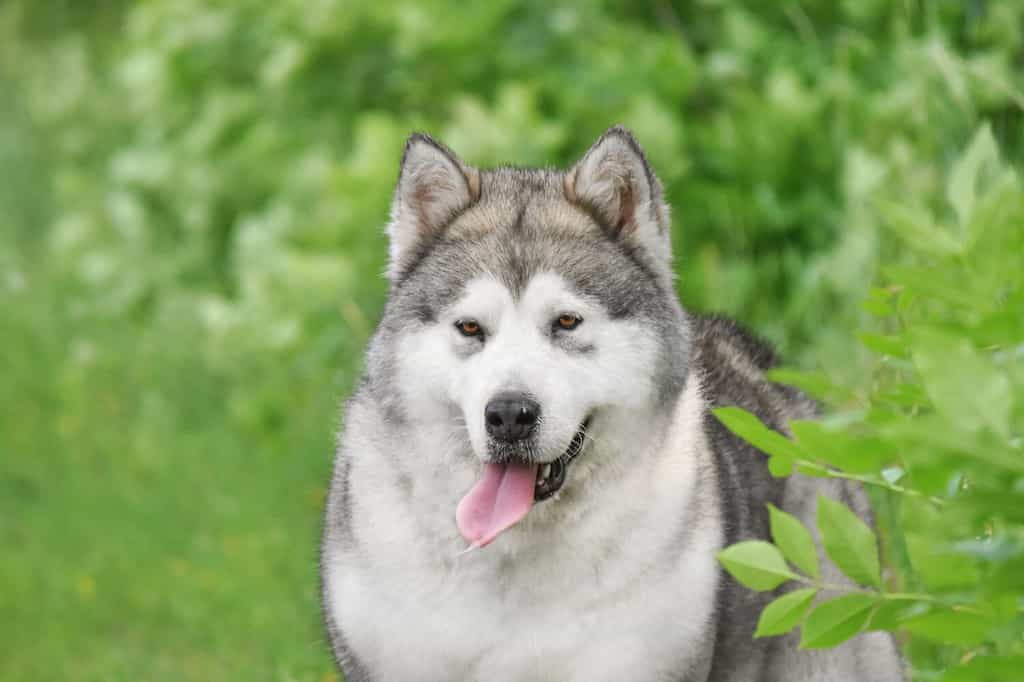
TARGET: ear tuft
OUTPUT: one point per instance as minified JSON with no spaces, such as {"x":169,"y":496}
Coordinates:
{"x":614,"y":181}
{"x":433,"y":187}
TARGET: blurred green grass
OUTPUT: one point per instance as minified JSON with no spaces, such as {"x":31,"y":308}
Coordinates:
{"x":152,"y":527}
{"x":191,"y":248}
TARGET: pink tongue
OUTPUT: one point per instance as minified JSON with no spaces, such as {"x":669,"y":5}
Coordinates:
{"x":500,"y":499}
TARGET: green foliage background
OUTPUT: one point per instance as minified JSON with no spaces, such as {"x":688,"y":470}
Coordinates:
{"x":191,"y":244}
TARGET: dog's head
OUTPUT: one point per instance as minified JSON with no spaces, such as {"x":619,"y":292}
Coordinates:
{"x":529,"y":308}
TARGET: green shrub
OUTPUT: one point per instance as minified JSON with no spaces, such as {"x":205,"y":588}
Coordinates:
{"x":936,"y":428}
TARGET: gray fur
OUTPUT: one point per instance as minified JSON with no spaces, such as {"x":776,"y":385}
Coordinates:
{"x":730,"y":359}
{"x":603,"y":227}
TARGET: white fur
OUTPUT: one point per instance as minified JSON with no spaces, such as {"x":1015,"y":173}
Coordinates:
{"x":588,"y":590}
{"x":517,"y":355}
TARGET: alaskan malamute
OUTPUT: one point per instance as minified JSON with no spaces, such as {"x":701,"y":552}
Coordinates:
{"x":530,"y":484}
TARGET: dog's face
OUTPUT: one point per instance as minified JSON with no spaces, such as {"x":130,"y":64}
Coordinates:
{"x":521,"y":371}
{"x":528,"y":368}
{"x":529,"y":306}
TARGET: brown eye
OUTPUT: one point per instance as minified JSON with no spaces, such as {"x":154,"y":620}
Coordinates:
{"x":468,"y":327}
{"x":567,"y":322}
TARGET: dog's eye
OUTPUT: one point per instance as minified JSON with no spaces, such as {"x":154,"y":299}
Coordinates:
{"x":567,"y":321}
{"x":469,"y":328}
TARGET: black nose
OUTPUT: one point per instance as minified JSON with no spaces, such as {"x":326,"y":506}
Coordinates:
{"x":511,"y":416}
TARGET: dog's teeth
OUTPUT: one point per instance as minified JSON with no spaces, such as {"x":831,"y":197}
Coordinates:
{"x":545,"y":471}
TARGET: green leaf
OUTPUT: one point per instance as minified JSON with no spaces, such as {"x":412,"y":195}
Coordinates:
{"x":981,"y":158}
{"x":896,"y":346}
{"x":780,"y":466}
{"x":748,"y":427}
{"x":963,"y":385}
{"x":879,"y":302}
{"x":916,"y":227}
{"x":1000,"y":205}
{"x":756,"y":564}
{"x":1002,"y":327}
{"x":932,"y":435}
{"x":903,"y":393}
{"x":986,"y":504}
{"x":890,"y":614}
{"x":784,"y":613}
{"x":953,"y":627}
{"x":938,"y":283}
{"x":794,"y":540}
{"x":816,"y":384}
{"x":835,"y":446}
{"x":939,"y":568}
{"x":837,"y":620}
{"x":849,"y":542}
{"x":986,"y":669}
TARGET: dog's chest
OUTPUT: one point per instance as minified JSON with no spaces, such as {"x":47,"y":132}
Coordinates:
{"x":588,"y":617}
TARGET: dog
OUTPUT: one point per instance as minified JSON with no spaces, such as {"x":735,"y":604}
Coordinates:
{"x":529,"y":482}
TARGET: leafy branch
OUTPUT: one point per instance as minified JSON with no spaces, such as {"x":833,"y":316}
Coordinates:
{"x":947,"y":396}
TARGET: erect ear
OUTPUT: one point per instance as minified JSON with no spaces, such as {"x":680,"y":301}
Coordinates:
{"x":614,"y":181}
{"x":433,"y":186}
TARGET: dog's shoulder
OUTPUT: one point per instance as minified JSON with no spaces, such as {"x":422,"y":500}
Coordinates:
{"x":733,"y":363}
{"x":716,"y":333}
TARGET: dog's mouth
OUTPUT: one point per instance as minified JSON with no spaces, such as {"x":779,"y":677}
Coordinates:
{"x":551,"y":476}
{"x":507,"y":490}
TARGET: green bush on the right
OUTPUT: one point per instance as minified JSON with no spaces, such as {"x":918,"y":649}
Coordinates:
{"x":934,"y":429}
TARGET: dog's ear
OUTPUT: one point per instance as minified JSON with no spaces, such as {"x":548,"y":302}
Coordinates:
{"x":433,"y":187}
{"x":614,"y":182}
